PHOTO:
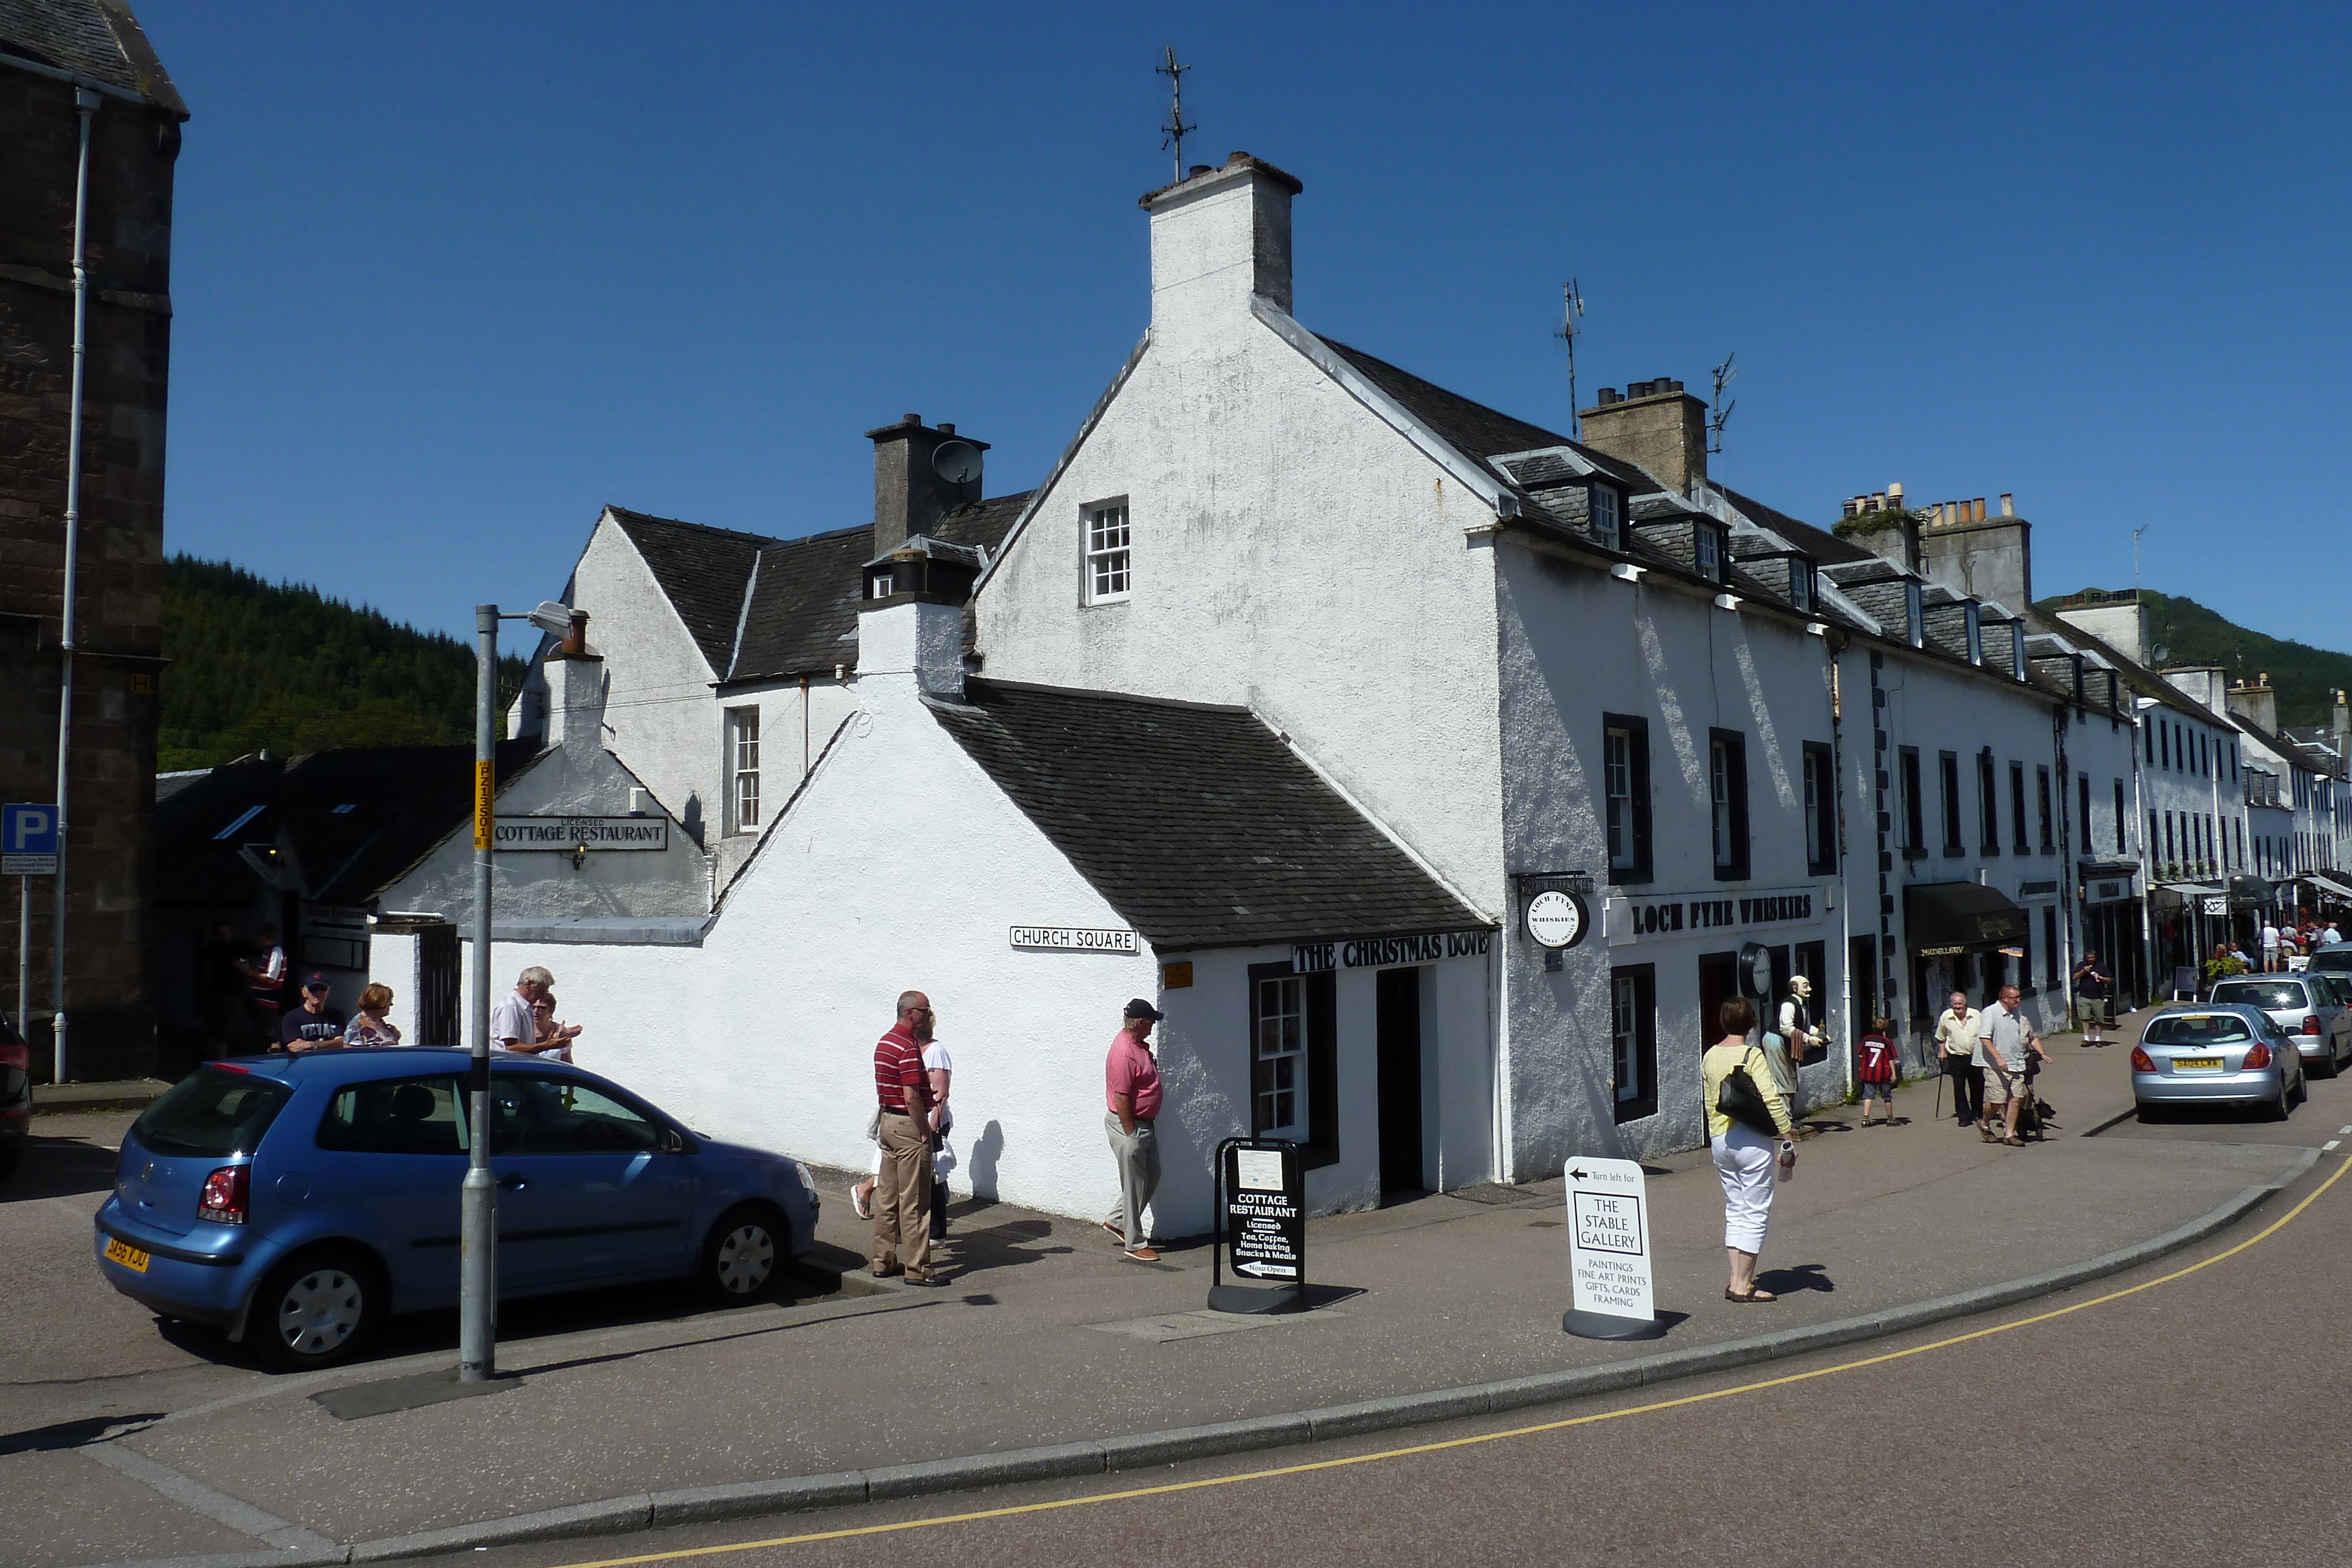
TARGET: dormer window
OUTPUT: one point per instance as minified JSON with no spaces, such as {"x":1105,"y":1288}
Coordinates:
{"x":1607,"y":513}
{"x":1706,"y":552}
{"x":880,"y":584}
{"x":1976,"y":633}
{"x":1915,"y":619}
{"x":1801,"y":586}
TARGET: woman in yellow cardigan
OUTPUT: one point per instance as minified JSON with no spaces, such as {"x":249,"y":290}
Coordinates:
{"x":1744,"y":1157}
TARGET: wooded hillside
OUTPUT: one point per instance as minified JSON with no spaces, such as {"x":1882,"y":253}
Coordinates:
{"x":2189,"y":633}
{"x":281,"y":666}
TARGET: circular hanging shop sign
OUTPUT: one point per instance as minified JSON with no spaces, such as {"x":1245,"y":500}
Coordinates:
{"x":1558,"y":919}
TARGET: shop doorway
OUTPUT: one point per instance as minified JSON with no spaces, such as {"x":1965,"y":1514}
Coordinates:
{"x":1397,"y":1026}
{"x":1718,"y":982}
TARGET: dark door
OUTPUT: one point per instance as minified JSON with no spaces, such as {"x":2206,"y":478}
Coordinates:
{"x":1397,"y":1020}
{"x":1717,"y":984}
{"x":1862,"y":971}
{"x":436,"y":980}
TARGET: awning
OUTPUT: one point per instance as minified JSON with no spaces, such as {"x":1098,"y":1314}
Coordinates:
{"x":2336,"y":887}
{"x":1943,"y":917}
{"x":2250,"y":892}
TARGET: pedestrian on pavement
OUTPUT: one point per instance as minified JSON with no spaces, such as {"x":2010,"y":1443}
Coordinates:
{"x":938,"y":1068}
{"x":1131,"y":1085}
{"x":2005,"y":1041}
{"x":265,"y":980}
{"x":370,"y":1029}
{"x":2270,"y":947}
{"x":1956,"y":1046}
{"x":2093,"y":991}
{"x":1876,"y":1068}
{"x":554,"y":1039}
{"x":902,"y":1193}
{"x":313,"y":1026}
{"x":2331,"y":937}
{"x":514,"y":1021}
{"x":1745,"y":1156}
{"x":221,"y":993}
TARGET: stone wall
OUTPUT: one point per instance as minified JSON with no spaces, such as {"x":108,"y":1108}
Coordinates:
{"x":119,"y":591}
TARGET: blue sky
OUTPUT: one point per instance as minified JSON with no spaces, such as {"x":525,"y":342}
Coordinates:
{"x":448,"y":278}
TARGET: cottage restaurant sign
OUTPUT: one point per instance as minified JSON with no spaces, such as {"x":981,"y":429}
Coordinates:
{"x":1075,"y":939}
{"x":565,"y":834}
{"x":1650,"y":918}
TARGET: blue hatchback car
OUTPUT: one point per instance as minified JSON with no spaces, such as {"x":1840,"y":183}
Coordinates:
{"x":296,"y":1201}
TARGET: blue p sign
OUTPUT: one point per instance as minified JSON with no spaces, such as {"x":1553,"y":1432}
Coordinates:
{"x":28,"y":829}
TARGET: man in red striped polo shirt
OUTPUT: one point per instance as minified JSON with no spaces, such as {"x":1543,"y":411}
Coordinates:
{"x":902,"y":1193}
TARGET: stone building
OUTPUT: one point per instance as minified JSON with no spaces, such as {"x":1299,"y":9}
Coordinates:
{"x":76,"y":75}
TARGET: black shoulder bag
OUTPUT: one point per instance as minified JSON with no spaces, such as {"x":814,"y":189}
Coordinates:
{"x":1742,"y":1101}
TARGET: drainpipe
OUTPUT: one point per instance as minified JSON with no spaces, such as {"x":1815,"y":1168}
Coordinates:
{"x":85,"y":105}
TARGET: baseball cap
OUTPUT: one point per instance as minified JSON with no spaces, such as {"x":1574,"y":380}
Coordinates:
{"x":1139,"y":1008}
{"x":318,"y":982}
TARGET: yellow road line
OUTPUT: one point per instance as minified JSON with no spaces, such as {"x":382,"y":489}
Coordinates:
{"x":2267,"y":1231}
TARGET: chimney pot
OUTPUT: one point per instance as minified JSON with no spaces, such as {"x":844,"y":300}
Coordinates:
{"x":1895,"y":492}
{"x":2008,"y":509}
{"x":911,"y":419}
{"x":1980,"y":508}
{"x":946,"y":429}
{"x":1197,"y":169}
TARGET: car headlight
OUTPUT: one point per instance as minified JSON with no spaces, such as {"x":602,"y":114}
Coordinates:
{"x":807,"y":1181}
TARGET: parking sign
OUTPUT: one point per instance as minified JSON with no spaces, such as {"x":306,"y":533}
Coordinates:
{"x":28,"y":841}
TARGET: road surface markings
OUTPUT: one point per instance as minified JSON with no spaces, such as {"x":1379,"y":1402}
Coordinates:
{"x":2329,"y":1144}
{"x":2341,"y":1131}
{"x":1688,"y":1399}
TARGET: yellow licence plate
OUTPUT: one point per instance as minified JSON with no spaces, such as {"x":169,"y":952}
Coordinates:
{"x":121,"y":1251}
{"x":2196,"y":1064}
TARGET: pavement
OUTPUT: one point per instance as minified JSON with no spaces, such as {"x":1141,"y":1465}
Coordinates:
{"x":135,"y":1443}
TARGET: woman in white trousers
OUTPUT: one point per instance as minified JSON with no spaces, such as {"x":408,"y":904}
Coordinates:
{"x":1744,"y":1155}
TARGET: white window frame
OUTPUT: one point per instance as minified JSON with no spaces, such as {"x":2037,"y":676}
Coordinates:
{"x":1605,"y":513}
{"x":1107,"y":540}
{"x":1617,"y":788}
{"x":1706,"y":552}
{"x":1278,"y":1066}
{"x":742,"y":769}
{"x":1801,"y":586}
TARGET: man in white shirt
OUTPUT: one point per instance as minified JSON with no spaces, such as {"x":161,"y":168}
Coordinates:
{"x":2270,"y":947}
{"x":513,"y":1024}
{"x":1956,"y":1046}
{"x":2005,"y":1042}
{"x":2330,"y":937}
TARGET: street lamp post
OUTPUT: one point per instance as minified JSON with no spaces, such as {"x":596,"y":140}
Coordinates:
{"x":477,"y":1220}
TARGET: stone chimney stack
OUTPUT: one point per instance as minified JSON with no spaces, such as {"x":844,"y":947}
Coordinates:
{"x":1218,"y":237}
{"x":920,"y":474}
{"x":1656,"y":426}
{"x":1979,"y":556}
{"x":2256,"y":703}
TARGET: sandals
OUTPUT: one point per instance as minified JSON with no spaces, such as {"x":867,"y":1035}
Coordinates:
{"x":1752,"y":1297}
{"x":2013,"y":1141}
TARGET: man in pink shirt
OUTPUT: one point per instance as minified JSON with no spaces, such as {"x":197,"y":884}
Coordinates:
{"x":1131,"y":1085}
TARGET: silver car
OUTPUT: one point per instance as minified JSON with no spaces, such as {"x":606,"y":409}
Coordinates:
{"x":2215,"y":1053}
{"x":2336,"y":957}
{"x":2308,"y":1006}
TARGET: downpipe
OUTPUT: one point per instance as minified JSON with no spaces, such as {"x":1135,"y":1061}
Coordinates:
{"x":85,"y":106}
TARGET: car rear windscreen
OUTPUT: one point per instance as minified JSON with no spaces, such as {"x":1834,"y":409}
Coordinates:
{"x":211,"y":1113}
{"x":2332,"y":959}
{"x":2196,"y":1028}
{"x":2269,"y":995}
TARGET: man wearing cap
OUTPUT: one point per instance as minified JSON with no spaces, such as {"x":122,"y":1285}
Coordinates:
{"x":313,"y":1026}
{"x":1131,"y":1084}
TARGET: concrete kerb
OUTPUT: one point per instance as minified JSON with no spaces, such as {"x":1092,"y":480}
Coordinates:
{"x":753,"y":1500}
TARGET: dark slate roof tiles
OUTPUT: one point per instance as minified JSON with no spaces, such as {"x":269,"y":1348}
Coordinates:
{"x":98,"y":39}
{"x":703,"y":572}
{"x":1196,"y":823}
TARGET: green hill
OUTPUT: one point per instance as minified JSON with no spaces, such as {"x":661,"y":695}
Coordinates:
{"x":2303,"y":675}
{"x":281,"y":666}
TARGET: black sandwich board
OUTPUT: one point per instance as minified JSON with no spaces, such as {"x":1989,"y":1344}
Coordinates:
{"x":1260,"y":1187}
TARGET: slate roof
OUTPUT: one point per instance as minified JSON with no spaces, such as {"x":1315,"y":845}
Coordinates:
{"x":1472,"y":428}
{"x":1197,"y":824}
{"x":1820,"y":543}
{"x":702,"y":570}
{"x":405,"y":800}
{"x":98,"y":40}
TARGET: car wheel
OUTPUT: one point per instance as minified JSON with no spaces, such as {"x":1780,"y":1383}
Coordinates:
{"x":316,"y":1309}
{"x":743,"y":1257}
{"x":2327,"y":1066}
{"x":2279,"y":1109}
{"x":2145,"y":1113}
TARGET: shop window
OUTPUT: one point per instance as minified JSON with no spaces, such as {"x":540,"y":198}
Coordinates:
{"x":1294,"y":1060}
{"x":1634,"y":1039}
{"x":1626,"y":791}
{"x":1820,"y":810}
{"x":1727,"y":802}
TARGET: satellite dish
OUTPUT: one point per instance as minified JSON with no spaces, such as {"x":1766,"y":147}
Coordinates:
{"x":957,"y":462}
{"x":2158,"y":653}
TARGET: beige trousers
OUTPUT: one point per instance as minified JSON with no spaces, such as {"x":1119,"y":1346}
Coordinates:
{"x":902,"y":1197}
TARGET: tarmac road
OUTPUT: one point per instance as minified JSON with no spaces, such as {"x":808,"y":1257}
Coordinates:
{"x":2191,"y":1412}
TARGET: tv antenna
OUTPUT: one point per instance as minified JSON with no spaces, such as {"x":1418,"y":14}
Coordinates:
{"x":1175,"y":130}
{"x":1719,"y":414}
{"x":1572,"y":307}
